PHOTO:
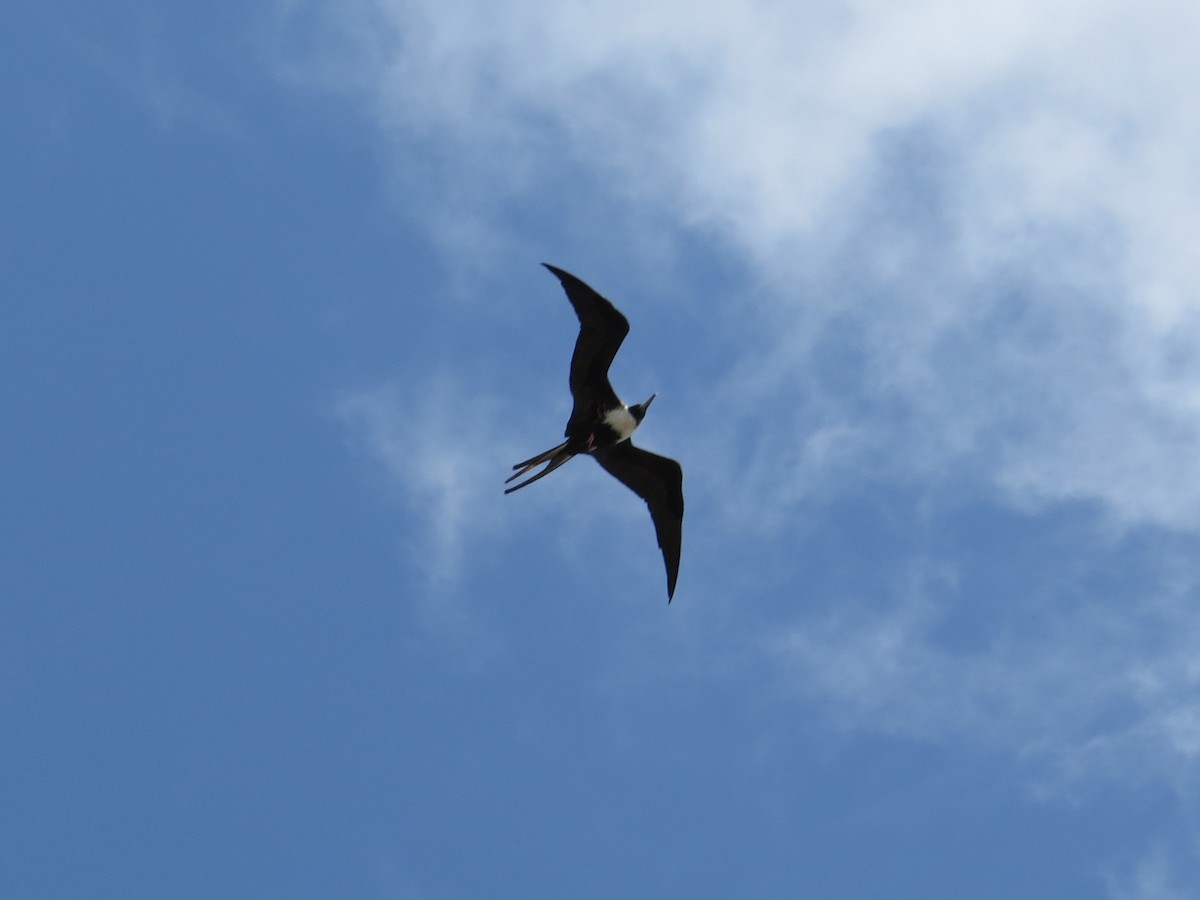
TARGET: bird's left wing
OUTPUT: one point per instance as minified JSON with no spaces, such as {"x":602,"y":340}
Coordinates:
{"x":602,"y":328}
{"x":659,"y":481}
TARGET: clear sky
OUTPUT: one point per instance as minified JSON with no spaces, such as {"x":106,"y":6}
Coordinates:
{"x":917,"y":286}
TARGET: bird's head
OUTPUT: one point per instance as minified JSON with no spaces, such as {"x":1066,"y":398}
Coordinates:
{"x":638,"y":410}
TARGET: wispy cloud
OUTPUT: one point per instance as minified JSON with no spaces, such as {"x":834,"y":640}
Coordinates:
{"x":441,"y":451}
{"x":1077,"y":690}
{"x":972,"y":231}
{"x":1001,"y":201}
{"x":1151,"y":878}
{"x":427,"y":450}
{"x":140,"y":60}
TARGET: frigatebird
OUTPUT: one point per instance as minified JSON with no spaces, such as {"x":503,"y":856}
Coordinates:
{"x":600,"y":424}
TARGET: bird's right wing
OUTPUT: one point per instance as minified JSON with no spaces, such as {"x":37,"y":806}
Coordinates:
{"x":659,"y":481}
{"x":602,"y":328}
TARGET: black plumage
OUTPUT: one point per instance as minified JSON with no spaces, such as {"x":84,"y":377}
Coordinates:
{"x":600,"y":424}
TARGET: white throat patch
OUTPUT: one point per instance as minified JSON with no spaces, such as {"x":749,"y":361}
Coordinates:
{"x":621,"y":421}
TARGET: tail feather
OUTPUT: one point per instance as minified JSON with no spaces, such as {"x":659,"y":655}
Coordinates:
{"x":537,"y":460}
{"x":558,"y":457}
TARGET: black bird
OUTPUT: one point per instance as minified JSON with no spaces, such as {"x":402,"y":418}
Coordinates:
{"x":600,"y":424}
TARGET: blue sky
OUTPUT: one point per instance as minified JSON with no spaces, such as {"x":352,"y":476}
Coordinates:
{"x":916,"y":286}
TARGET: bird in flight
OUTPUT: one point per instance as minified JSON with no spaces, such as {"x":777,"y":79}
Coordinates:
{"x":601,"y":425}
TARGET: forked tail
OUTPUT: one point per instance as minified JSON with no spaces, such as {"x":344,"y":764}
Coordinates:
{"x":556,"y":456}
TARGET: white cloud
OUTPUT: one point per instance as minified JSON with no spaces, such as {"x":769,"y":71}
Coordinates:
{"x":1105,"y":688}
{"x":443,"y":451}
{"x":1152,"y":878}
{"x":1064,"y":133}
{"x":139,"y":62}
{"x":428,"y":449}
{"x":981,"y":218}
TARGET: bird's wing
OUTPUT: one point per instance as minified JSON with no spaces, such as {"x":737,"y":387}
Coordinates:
{"x":602,"y":328}
{"x":659,"y":481}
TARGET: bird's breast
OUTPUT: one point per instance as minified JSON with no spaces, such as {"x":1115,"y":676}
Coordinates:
{"x":622,"y":422}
